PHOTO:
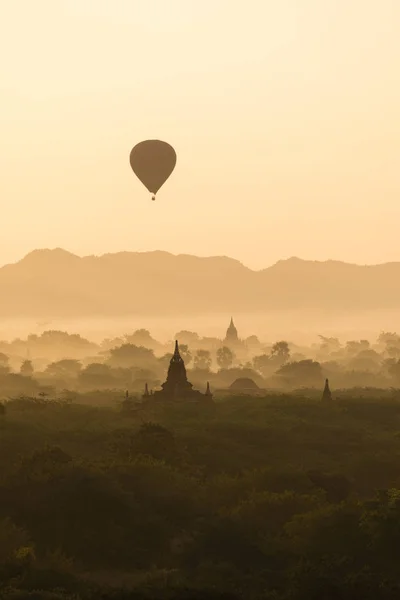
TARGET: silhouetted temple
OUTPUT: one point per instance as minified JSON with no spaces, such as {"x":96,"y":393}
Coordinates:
{"x":327,"y":392}
{"x":177,"y":386}
{"x":231,"y":333}
{"x":146,"y":391}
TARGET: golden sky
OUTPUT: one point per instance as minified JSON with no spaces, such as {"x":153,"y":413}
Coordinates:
{"x":284,"y":115}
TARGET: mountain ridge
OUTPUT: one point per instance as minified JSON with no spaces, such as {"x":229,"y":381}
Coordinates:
{"x":58,"y":283}
{"x":41,"y":252}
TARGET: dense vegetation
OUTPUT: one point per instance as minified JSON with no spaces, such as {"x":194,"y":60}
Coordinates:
{"x":279,"y":498}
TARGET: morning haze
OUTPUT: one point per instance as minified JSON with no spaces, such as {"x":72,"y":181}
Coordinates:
{"x":200,"y":300}
{"x":114,"y":293}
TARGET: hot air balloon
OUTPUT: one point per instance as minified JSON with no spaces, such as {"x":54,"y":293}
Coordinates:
{"x":153,"y":161}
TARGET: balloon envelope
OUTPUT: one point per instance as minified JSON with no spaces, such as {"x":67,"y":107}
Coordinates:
{"x":153,"y":161}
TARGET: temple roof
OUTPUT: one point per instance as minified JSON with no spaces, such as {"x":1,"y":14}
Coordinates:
{"x":231,"y":332}
{"x":176,"y":376}
{"x":177,"y":384}
{"x":244,"y":383}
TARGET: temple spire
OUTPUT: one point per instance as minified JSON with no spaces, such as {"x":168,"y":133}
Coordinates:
{"x":231,"y":333}
{"x":176,"y":352}
{"x":146,"y":390}
{"x":327,"y":392}
{"x":208,"y":391}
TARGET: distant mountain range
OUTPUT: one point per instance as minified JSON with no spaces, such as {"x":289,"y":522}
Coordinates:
{"x":56,"y":283}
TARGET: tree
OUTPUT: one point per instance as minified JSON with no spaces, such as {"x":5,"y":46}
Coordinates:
{"x":225,"y":357}
{"x":304,"y":372}
{"x":155,"y":440}
{"x":97,"y":370}
{"x":191,"y":338}
{"x":165,"y":359}
{"x":393,"y":351}
{"x":128,"y":355}
{"x":4,"y":360}
{"x":4,"y":366}
{"x":141,"y":337}
{"x":109,"y":343}
{"x":336,"y":486}
{"x":202,"y":360}
{"x":26,"y":368}
{"x":394,"y":370}
{"x":354,"y":347}
{"x":45,"y":463}
{"x":64,"y":338}
{"x":152,"y":440}
{"x":329,"y":344}
{"x":388,"y":338}
{"x":381,"y":522}
{"x":366,"y":360}
{"x":252,"y":342}
{"x":185,"y":353}
{"x":97,"y":375}
{"x":263,"y":364}
{"x":128,"y":405}
{"x":281,"y":351}
{"x":60,"y":344}
{"x":66,"y":368}
{"x":12,"y":538}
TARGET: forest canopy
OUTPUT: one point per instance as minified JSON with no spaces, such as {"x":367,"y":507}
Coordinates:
{"x":276,"y":497}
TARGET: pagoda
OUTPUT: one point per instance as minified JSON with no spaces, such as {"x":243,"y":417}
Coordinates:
{"x":177,"y":386}
{"x":326,"y":395}
{"x":234,"y":343}
{"x":231,"y":334}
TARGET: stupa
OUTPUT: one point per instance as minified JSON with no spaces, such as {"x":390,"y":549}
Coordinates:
{"x":177,"y":386}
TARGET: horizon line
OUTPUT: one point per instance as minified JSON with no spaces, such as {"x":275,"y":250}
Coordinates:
{"x":209,"y":256}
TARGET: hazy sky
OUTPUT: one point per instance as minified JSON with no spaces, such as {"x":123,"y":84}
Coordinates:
{"x":284,"y":115}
